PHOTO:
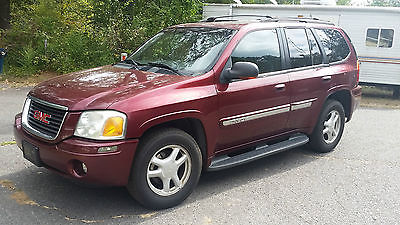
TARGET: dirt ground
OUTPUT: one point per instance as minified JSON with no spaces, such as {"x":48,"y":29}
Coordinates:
{"x":379,"y":97}
{"x":372,"y":96}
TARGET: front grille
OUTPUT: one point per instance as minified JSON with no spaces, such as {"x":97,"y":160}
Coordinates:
{"x":45,"y":119}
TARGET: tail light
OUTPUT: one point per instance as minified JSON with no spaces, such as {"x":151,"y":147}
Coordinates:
{"x":358,"y":71}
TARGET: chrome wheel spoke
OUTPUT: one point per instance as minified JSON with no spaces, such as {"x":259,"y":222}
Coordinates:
{"x":336,"y":119}
{"x":181,"y":160}
{"x":176,"y":181}
{"x":174,"y":153}
{"x":154,"y":173}
{"x":330,"y":118}
{"x":326,"y":130}
{"x":166,"y":184}
{"x":334,"y":133}
{"x":330,"y":135}
{"x":156,"y":161}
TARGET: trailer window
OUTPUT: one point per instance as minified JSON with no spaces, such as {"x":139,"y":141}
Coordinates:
{"x":372,"y":37}
{"x":382,"y":38}
{"x":386,"y":38}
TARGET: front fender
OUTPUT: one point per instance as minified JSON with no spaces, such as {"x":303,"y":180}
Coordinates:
{"x":166,"y":117}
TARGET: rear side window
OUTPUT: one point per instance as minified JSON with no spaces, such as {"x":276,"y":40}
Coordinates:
{"x":316,"y":56}
{"x":382,"y":38}
{"x":334,"y":44}
{"x":259,"y":47}
{"x":299,"y":50}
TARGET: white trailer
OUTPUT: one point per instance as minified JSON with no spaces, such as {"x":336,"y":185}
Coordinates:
{"x":374,"y":31}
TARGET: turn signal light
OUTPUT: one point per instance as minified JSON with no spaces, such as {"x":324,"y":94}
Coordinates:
{"x":113,"y":127}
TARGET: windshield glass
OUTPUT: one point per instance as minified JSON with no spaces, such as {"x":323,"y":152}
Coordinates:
{"x":190,"y":51}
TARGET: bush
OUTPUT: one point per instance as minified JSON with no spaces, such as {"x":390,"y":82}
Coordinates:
{"x":84,"y":33}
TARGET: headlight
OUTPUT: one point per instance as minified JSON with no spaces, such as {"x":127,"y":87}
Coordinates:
{"x":101,"y":125}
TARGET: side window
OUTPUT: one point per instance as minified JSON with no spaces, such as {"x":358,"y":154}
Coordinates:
{"x":334,"y":44}
{"x":299,"y":51}
{"x":259,"y":47}
{"x":316,"y":55}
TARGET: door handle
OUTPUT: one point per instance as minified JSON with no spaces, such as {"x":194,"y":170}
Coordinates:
{"x":280,"y":87}
{"x":326,"y":78}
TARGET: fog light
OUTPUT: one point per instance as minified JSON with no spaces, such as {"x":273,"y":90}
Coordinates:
{"x":107,"y":149}
{"x":79,"y":168}
{"x":84,"y":167}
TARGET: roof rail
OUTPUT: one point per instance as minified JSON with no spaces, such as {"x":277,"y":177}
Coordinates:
{"x":267,"y":18}
{"x":222,"y":18}
{"x":308,"y":20}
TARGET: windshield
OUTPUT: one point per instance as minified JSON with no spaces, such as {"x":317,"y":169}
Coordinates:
{"x":189,"y":51}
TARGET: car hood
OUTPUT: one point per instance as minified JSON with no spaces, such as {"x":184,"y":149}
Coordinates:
{"x":98,"y":88}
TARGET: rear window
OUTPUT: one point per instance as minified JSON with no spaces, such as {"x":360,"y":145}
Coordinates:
{"x":334,"y":44}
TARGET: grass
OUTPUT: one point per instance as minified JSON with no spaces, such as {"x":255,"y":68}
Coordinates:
{"x":5,"y":143}
{"x":8,"y":81}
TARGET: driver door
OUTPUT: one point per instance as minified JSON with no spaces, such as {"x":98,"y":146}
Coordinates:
{"x":254,"y":109}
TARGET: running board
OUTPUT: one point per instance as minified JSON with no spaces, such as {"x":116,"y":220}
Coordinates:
{"x":225,"y":161}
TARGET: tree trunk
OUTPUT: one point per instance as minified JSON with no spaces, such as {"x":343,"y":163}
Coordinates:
{"x":4,"y":14}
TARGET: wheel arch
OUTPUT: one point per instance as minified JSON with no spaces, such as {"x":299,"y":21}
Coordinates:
{"x":193,"y":126}
{"x":344,"y":97}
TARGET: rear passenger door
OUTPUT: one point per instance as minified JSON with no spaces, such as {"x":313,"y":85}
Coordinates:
{"x":314,"y":71}
{"x":307,"y":72}
{"x":254,"y":109}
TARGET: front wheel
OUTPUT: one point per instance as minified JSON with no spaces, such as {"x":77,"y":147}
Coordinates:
{"x":329,"y":128}
{"x":166,"y":169}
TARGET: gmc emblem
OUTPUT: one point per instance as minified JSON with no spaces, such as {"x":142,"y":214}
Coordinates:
{"x":41,"y":116}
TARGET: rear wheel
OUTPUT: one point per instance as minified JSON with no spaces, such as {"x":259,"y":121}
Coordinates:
{"x":166,"y":169}
{"x":329,"y":128}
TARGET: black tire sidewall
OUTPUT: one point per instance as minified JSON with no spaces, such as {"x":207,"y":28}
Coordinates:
{"x":317,"y":141}
{"x":138,"y":185}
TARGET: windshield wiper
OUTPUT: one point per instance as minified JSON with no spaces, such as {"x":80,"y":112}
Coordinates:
{"x":165,"y":66}
{"x":132,"y":62}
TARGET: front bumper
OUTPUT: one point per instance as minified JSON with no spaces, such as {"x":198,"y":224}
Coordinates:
{"x":65,"y":157}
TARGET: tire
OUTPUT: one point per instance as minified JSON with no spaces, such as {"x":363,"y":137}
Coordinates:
{"x":166,"y":169}
{"x":328,"y":130}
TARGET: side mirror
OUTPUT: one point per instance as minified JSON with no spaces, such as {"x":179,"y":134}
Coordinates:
{"x":239,"y":70}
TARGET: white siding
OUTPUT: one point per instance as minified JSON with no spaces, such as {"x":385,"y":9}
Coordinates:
{"x":380,"y":73}
{"x":213,"y":10}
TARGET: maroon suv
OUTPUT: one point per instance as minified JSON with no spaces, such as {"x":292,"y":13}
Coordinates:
{"x":200,"y":96}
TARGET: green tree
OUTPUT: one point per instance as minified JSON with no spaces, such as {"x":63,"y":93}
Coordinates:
{"x":386,"y":3}
{"x":85,"y":33}
{"x":343,"y":2}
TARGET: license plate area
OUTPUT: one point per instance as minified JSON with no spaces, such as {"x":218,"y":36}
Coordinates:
{"x":31,"y":153}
